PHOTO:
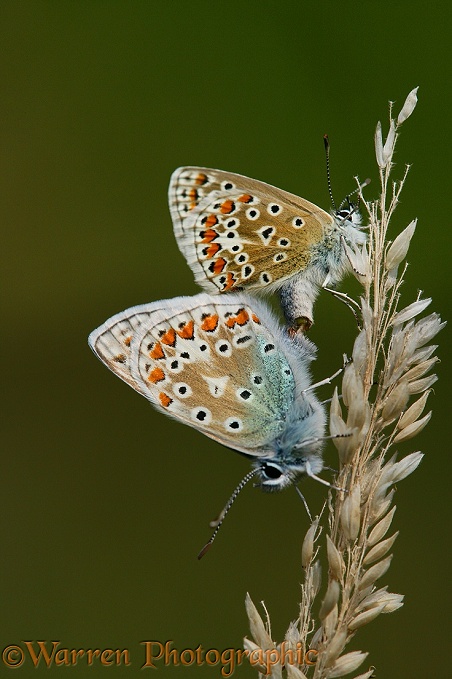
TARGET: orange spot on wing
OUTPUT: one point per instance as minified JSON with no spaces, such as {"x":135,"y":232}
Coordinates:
{"x":246,"y":198}
{"x":165,"y":400}
{"x":209,"y":323}
{"x":212,"y":250}
{"x":193,"y":194}
{"x":157,"y":351}
{"x":241,"y":319}
{"x":255,"y":318}
{"x":219,"y":265}
{"x":201,"y":179}
{"x":192,"y":205}
{"x":120,"y":358}
{"x":227,"y":207}
{"x":187,"y":330}
{"x":211,"y":220}
{"x":209,"y":235}
{"x":157,"y":375}
{"x":230,"y":282}
{"x":169,"y":337}
{"x":128,"y":340}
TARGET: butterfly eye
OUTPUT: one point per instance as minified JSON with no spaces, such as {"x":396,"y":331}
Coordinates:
{"x":345,"y":214}
{"x":272,"y":471}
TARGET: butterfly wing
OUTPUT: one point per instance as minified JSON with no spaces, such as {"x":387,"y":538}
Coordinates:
{"x":112,"y":341}
{"x":235,"y":231}
{"x":221,"y":365}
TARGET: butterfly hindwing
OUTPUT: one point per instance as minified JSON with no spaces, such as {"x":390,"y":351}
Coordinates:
{"x":235,"y":231}
{"x":112,"y":341}
{"x":220,"y":365}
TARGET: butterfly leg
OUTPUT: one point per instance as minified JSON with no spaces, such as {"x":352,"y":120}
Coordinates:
{"x":328,"y":380}
{"x":320,"y":480}
{"x":303,"y":499}
{"x":346,"y":299}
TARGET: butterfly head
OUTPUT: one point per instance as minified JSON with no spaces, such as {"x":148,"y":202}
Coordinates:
{"x":348,"y":216}
{"x":277,"y":474}
{"x":348,"y":219}
{"x":274,"y":475}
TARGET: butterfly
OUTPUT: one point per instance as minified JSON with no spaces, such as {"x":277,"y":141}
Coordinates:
{"x":224,"y":366}
{"x":240,"y":233}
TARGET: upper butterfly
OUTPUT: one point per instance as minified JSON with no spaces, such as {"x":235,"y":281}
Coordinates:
{"x":236,"y":232}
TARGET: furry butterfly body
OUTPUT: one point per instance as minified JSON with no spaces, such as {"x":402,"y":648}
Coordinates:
{"x":224,"y":366}
{"x":239,"y":233}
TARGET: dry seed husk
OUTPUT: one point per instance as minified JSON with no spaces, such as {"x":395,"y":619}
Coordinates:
{"x":414,"y":411}
{"x":399,"y":248}
{"x":380,"y":549}
{"x":347,"y":663}
{"x":330,"y":600}
{"x":380,"y":530}
{"x":335,"y":560}
{"x":413,"y":429}
{"x":335,"y":646}
{"x":294,"y":672}
{"x":365,"y":617}
{"x":307,"y":550}
{"x":350,"y":514}
{"x":257,"y":627}
{"x":375,"y":572}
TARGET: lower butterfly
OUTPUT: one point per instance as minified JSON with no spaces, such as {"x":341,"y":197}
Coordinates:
{"x":239,"y":233}
{"x":224,"y":366}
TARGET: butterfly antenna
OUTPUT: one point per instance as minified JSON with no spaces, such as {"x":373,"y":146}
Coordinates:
{"x":227,"y":507}
{"x":354,"y":208}
{"x":326,"y":143}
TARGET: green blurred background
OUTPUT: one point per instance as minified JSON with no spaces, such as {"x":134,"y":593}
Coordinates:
{"x":105,"y":502}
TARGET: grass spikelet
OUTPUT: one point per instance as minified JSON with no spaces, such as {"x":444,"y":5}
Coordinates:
{"x":392,"y":363}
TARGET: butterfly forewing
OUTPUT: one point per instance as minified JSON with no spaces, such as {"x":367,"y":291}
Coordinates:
{"x":235,"y":231}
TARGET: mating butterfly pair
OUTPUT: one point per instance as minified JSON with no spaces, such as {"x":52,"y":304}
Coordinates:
{"x":220,"y":362}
